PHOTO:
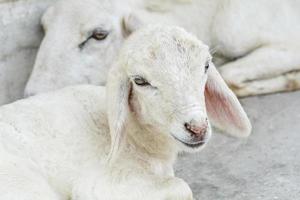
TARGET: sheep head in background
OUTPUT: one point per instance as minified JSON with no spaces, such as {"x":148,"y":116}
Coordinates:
{"x":168,"y":84}
{"x":82,"y":38}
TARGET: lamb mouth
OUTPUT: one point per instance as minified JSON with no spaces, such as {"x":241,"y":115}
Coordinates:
{"x":191,"y":145}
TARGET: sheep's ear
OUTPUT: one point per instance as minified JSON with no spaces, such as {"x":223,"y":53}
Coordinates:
{"x":223,"y":107}
{"x":130,"y":23}
{"x":118,"y":90}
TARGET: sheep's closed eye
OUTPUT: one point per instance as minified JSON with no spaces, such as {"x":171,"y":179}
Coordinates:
{"x":97,"y":34}
{"x":140,"y":81}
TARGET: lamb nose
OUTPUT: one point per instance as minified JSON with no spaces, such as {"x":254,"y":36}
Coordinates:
{"x":196,"y":131}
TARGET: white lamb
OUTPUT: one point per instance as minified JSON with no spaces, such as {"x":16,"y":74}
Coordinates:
{"x":70,"y":144}
{"x":256,"y":42}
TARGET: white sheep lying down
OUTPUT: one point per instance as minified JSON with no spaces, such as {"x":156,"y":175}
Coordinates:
{"x":86,"y":144}
{"x":256,"y":43}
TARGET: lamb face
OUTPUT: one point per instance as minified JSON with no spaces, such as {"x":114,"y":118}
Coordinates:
{"x":168,"y":73}
{"x":168,"y":84}
{"x":81,"y":39}
{"x":161,"y":75}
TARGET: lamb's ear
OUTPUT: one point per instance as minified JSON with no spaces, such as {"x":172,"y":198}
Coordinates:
{"x":118,"y":90}
{"x":223,"y":108}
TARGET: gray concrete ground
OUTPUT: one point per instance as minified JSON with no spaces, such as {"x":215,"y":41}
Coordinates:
{"x":265,"y":166}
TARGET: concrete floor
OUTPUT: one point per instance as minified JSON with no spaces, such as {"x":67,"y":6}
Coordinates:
{"x":264,"y":166}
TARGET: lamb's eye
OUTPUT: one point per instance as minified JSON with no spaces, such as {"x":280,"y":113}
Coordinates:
{"x":99,"y":34}
{"x":206,"y":66}
{"x":141,"y":81}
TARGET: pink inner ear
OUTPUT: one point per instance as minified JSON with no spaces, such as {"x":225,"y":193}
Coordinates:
{"x":221,"y":109}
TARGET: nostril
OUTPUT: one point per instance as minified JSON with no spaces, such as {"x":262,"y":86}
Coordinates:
{"x":196,"y":131}
{"x":187,"y":126}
